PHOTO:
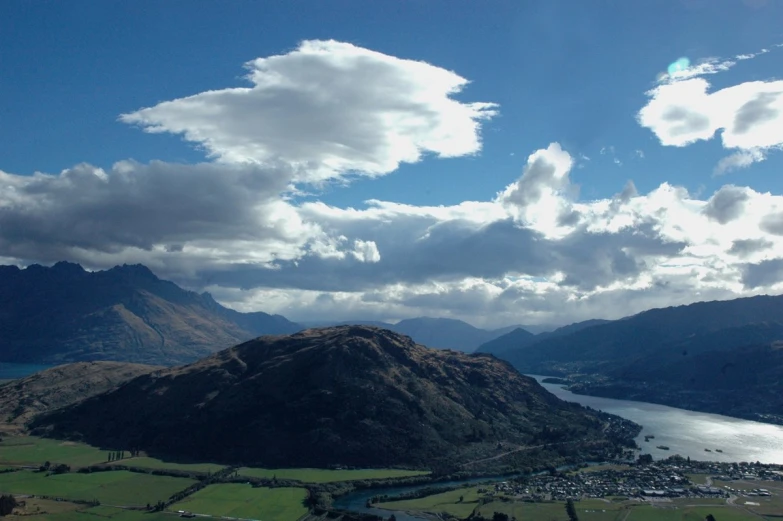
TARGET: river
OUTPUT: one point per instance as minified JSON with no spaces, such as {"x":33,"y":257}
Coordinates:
{"x":688,"y":433}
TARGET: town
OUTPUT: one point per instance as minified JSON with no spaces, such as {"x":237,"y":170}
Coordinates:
{"x":670,"y":478}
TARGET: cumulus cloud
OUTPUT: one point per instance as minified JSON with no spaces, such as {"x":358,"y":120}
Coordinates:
{"x":737,"y":161}
{"x":682,"y":110}
{"x":328,"y":109}
{"x":534,"y":253}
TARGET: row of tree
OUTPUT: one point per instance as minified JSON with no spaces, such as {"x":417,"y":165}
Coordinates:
{"x":117,"y":455}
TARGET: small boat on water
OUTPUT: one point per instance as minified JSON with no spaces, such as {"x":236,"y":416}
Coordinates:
{"x":707,"y":450}
{"x":718,"y":450}
{"x":663,"y":447}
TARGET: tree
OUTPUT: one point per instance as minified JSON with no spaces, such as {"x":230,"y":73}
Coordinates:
{"x":461,"y":498}
{"x":7,"y":504}
{"x":645,"y":459}
{"x":571,"y":510}
{"x":709,"y":517}
{"x":499,"y":516}
{"x":392,"y":518}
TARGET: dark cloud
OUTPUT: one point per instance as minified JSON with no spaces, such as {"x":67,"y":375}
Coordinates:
{"x":755,"y":111}
{"x":765,"y":273}
{"x":773,"y":223}
{"x":455,"y":250}
{"x":137,"y":206}
{"x":686,"y":121}
{"x":744,"y":247}
{"x":726,"y":204}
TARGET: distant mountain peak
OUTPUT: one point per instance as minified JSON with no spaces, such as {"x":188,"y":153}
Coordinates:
{"x":63,"y":313}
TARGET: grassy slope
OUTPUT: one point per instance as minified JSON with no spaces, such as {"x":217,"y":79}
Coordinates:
{"x":113,"y":488}
{"x":153,"y":463}
{"x":328,"y":476}
{"x":29,"y":450}
{"x":443,"y":502}
{"x":239,"y":500}
{"x":63,"y":511}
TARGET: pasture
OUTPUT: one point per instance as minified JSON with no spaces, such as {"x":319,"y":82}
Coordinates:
{"x":328,"y":476}
{"x":120,"y":488}
{"x":444,"y":502}
{"x":44,"y":510}
{"x":30,"y":450}
{"x":240,"y":500}
{"x":153,"y":463}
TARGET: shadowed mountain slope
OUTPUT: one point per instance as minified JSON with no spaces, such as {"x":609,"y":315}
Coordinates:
{"x":64,"y":313}
{"x":351,"y":395}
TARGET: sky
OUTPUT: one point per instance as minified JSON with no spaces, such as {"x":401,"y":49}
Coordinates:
{"x":499,"y":162}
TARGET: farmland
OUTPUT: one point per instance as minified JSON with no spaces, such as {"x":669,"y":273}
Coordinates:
{"x":328,"y":476}
{"x":112,"y":488}
{"x":153,"y":463}
{"x":244,"y":501}
{"x":30,"y":450}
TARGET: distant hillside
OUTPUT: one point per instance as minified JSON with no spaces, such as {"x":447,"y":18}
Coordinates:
{"x":64,"y":313}
{"x":607,"y":346}
{"x":61,"y":386}
{"x":515,"y":339}
{"x":444,"y":333}
{"x":438,"y":333}
{"x":352,"y":395}
{"x":521,"y":337}
{"x":710,"y":356}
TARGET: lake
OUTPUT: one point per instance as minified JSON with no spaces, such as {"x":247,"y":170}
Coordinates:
{"x":688,"y":433}
{"x":14,"y":371}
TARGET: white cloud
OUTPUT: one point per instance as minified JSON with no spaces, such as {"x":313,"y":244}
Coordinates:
{"x":748,"y":116}
{"x":737,"y":161}
{"x":328,"y":109}
{"x":535,"y":253}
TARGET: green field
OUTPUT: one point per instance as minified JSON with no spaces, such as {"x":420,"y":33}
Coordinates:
{"x":119,"y":488}
{"x":328,"y":476}
{"x":152,"y":463}
{"x":29,"y":450}
{"x":62,"y":511}
{"x":721,"y":513}
{"x":444,"y":502}
{"x":239,"y":500}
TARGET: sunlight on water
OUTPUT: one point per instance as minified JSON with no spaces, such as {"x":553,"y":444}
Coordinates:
{"x":689,"y":433}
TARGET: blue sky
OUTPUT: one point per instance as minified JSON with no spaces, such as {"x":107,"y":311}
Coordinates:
{"x":572,"y":73}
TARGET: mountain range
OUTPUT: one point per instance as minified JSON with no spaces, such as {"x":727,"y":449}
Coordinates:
{"x":64,"y":313}
{"x":720,"y":356}
{"x":348,"y":395}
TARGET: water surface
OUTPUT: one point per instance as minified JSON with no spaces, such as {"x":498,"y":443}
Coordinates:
{"x":688,"y":433}
{"x":10,"y":371}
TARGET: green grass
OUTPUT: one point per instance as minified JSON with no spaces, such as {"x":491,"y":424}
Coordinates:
{"x":443,"y":502}
{"x":721,"y":513}
{"x":239,"y":500}
{"x":29,"y":450}
{"x":328,"y":476}
{"x":101,"y":513}
{"x":699,"y":479}
{"x":152,"y":463}
{"x":120,"y":488}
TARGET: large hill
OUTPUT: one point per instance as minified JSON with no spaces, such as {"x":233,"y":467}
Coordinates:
{"x":351,"y":395}
{"x":61,"y":386}
{"x":64,"y":314}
